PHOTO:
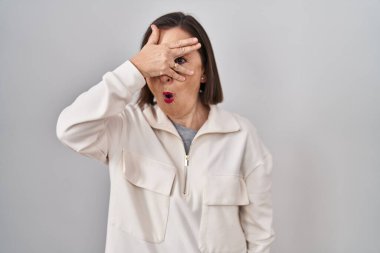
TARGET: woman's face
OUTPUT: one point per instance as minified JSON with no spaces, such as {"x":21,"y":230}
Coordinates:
{"x":178,"y":98}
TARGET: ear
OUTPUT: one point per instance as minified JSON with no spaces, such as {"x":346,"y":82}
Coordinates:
{"x":203,"y":77}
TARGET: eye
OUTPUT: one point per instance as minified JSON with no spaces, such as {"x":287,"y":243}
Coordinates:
{"x":180,"y":60}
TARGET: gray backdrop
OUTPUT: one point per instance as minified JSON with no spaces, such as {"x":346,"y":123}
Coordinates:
{"x":305,"y":72}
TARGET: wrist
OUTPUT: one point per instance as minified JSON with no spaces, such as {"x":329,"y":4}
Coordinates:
{"x":135,"y":61}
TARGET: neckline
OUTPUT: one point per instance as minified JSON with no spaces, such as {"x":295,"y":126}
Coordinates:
{"x":183,"y":127}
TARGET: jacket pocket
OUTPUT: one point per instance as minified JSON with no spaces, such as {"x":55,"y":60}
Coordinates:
{"x":143,"y":197}
{"x":220,"y":229}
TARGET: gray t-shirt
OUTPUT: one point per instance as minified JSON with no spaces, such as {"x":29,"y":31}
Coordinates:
{"x":187,"y":135}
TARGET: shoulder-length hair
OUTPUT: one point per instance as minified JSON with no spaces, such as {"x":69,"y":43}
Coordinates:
{"x":211,"y":90}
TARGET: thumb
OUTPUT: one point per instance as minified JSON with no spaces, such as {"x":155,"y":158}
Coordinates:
{"x":154,"y":36}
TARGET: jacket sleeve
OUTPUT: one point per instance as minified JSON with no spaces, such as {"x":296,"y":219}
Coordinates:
{"x":257,"y":217}
{"x":84,"y":125}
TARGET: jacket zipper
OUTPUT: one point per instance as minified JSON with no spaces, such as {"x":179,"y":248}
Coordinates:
{"x":187,"y":162}
{"x":185,"y":173}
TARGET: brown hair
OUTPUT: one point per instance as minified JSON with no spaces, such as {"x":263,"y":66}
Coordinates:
{"x":211,"y":90}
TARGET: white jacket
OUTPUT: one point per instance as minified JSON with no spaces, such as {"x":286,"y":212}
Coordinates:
{"x":228,"y":169}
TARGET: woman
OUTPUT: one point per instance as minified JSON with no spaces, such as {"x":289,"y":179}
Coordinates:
{"x":186,"y":176}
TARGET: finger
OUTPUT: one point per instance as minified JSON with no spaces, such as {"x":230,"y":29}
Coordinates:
{"x":185,"y":50}
{"x":175,"y":75}
{"x":183,"y":43}
{"x":154,"y":36}
{"x":181,"y":69}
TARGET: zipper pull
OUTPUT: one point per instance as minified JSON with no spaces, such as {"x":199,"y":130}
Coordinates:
{"x":186,"y":160}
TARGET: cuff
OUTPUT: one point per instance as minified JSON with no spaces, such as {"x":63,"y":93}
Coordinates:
{"x":130,"y":76}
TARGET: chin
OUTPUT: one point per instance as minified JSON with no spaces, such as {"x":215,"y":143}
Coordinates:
{"x":171,"y":109}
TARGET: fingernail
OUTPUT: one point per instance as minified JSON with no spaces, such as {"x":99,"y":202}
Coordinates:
{"x":195,"y":39}
{"x":183,"y":78}
{"x":191,"y":72}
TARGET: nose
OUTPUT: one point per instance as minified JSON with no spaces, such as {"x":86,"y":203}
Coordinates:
{"x":166,"y":79}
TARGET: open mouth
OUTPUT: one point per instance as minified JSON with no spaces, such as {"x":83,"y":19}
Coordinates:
{"x":168,"y":96}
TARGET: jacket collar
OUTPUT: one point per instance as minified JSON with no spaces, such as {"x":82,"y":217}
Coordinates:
{"x":218,"y":121}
